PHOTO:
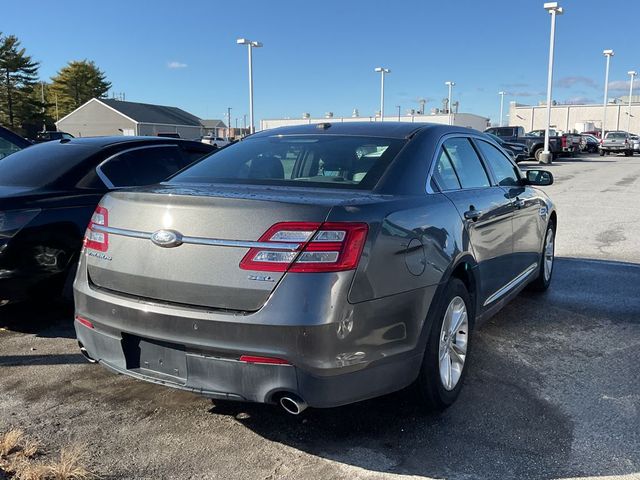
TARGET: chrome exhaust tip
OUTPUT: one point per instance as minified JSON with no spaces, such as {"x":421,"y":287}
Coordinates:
{"x":85,"y":354}
{"x":293,"y":404}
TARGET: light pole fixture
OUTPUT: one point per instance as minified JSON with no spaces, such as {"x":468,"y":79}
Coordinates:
{"x":450,"y":85}
{"x":251,"y":44}
{"x":632,"y":74}
{"x":608,"y":54}
{"x":502,"y":94}
{"x":554,"y":10}
{"x":382,"y":71}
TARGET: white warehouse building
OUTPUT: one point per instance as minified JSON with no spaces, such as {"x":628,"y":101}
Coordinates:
{"x":469,"y":120}
{"x":570,"y":118}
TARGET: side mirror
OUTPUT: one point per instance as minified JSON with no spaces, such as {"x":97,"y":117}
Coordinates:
{"x":539,"y":178}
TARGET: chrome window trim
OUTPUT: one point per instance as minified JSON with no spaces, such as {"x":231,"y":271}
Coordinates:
{"x":511,"y":285}
{"x":217,"y":242}
{"x":106,"y":179}
{"x":434,"y":159}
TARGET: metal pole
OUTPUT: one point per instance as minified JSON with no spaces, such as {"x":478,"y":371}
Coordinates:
{"x":228,"y":121}
{"x":501,"y":106}
{"x":251,"y":124}
{"x":606,"y":94}
{"x":398,"y":107}
{"x":382,"y":96}
{"x":57,"y":116}
{"x":632,"y":75}
{"x":44,"y":121}
{"x":552,"y":40}
{"x":449,"y":104}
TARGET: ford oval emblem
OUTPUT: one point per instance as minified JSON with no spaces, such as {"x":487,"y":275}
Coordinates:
{"x":166,"y":238}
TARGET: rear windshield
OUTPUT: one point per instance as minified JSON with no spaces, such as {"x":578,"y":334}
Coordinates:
{"x":314,"y":160}
{"x":616,"y":135}
{"x":42,"y":164}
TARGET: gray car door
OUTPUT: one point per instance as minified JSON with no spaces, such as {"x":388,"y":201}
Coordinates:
{"x":485,"y":209}
{"x":528,"y":218}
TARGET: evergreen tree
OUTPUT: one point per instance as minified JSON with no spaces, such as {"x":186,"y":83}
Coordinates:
{"x":18,"y":75}
{"x":77,"y":83}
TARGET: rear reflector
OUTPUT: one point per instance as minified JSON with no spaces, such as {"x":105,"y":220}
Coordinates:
{"x":84,"y":322}
{"x":326,"y":247}
{"x":266,"y":360}
{"x":97,"y":240}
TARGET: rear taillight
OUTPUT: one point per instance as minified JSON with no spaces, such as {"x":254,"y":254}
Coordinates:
{"x":263,"y":360}
{"x":327,"y":247}
{"x":94,"y":239}
{"x":564,"y":141}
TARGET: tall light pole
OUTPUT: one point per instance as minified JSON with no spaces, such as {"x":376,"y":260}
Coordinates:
{"x":450,"y":85}
{"x":632,"y":74}
{"x":382,"y":71}
{"x":608,"y":54}
{"x":502,"y":94}
{"x":250,"y":46}
{"x":398,"y":107}
{"x":228,"y":122}
{"x":554,"y":10}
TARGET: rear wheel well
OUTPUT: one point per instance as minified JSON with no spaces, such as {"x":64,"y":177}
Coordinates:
{"x":464,"y":273}
{"x":553,"y":220}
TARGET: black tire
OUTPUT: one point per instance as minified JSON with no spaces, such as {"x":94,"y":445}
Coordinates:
{"x":537,"y":153}
{"x":602,"y":153}
{"x":432,"y":392}
{"x":542,"y":282}
{"x":67,"y":288}
{"x":628,"y":153}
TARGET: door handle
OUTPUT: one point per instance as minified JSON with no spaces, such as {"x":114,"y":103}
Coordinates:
{"x":519,"y":203}
{"x":472,"y":214}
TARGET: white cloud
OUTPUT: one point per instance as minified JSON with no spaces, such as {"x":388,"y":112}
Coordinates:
{"x":623,"y":85}
{"x":175,"y":64}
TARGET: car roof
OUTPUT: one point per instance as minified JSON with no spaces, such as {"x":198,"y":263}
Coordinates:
{"x":101,"y":142}
{"x":374,"y":129}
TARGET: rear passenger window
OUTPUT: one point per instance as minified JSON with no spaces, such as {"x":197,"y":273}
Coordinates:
{"x":444,"y":173}
{"x":144,"y":166}
{"x":503,"y":169}
{"x":466,"y":163}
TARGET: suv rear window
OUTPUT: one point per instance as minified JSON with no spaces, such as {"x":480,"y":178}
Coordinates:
{"x":314,"y":160}
{"x":617,"y":135}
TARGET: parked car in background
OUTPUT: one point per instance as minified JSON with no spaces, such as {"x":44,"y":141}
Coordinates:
{"x":11,"y":142}
{"x":570,"y":141}
{"x":49,"y":191}
{"x":217,"y":142}
{"x":635,"y":141}
{"x":534,"y":143}
{"x":517,"y":151}
{"x":51,"y":135}
{"x":314,"y":265}
{"x":589,"y":143}
{"x":616,"y":142}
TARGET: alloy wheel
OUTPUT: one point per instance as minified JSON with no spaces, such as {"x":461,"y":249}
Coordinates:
{"x":453,"y":343}
{"x":549,"y":250}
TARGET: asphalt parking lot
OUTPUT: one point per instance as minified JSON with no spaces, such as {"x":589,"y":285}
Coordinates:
{"x":552,"y":392}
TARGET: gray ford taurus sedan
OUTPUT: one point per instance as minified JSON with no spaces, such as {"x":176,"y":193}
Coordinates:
{"x":315,"y":265}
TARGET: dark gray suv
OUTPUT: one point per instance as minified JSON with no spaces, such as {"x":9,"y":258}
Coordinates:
{"x":315,"y":265}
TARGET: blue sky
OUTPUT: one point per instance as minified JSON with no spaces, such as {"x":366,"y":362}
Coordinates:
{"x":319,"y":56}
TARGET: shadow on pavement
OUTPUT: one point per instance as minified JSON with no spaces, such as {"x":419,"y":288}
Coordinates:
{"x":535,"y":402}
{"x":43,"y":318}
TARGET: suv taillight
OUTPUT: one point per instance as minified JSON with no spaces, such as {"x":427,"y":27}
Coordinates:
{"x":564,"y":141}
{"x":94,"y":239}
{"x":326,"y":247}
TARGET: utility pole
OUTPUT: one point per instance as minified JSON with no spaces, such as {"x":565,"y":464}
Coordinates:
{"x":228,"y":121}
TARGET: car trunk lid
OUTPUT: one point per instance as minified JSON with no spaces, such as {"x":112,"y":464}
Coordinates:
{"x":216,"y":224}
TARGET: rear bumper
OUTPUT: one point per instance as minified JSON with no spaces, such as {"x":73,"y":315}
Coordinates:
{"x":337,"y":352}
{"x":231,"y":379}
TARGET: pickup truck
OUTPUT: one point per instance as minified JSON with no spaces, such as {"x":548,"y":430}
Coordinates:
{"x":558,"y":144}
{"x":617,"y":142}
